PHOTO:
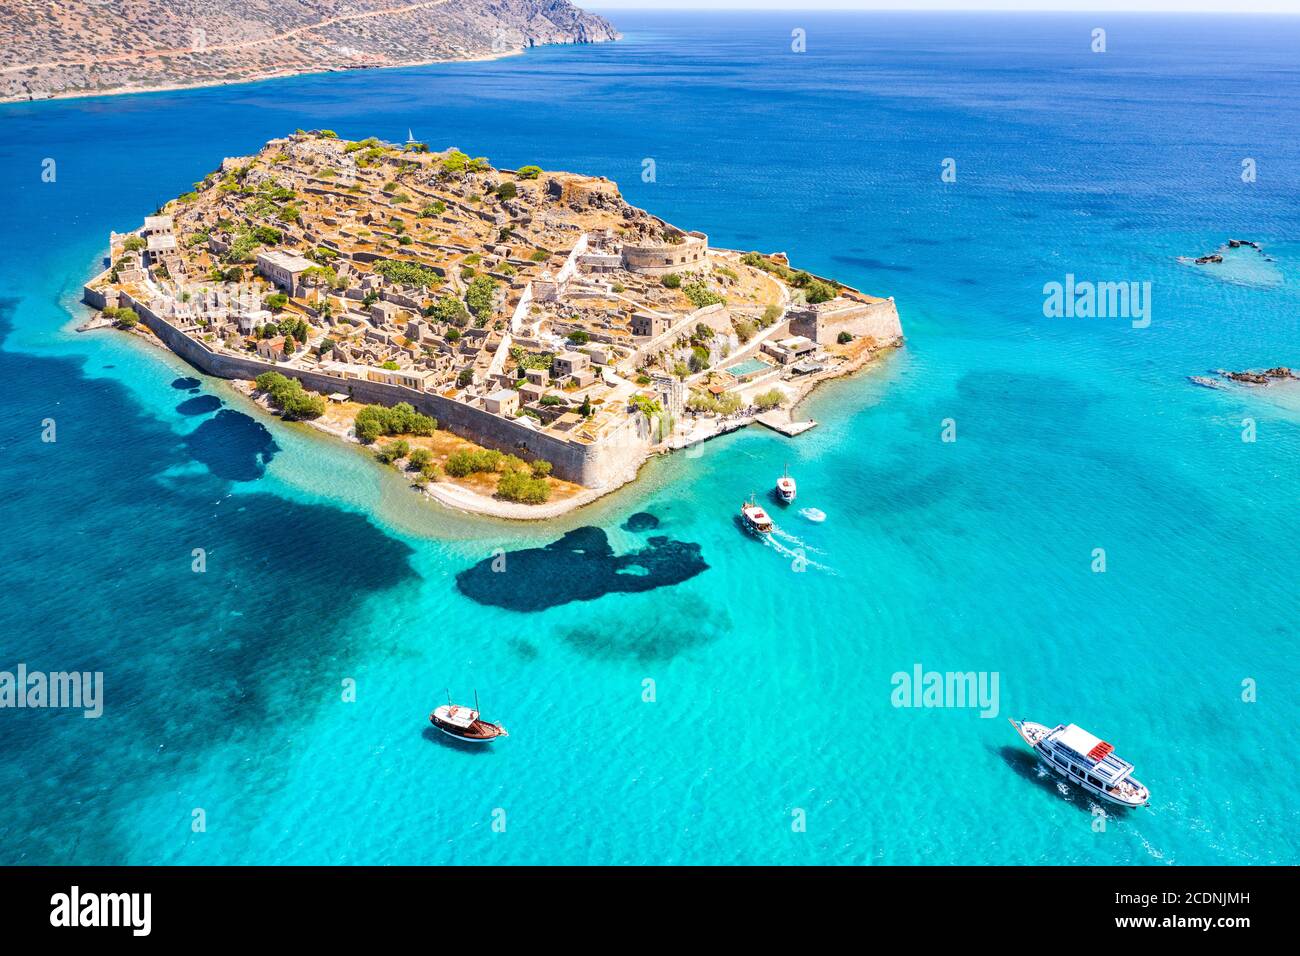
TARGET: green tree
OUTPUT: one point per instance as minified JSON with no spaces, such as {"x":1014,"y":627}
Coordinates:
{"x":818,"y":291}
{"x":480,"y":295}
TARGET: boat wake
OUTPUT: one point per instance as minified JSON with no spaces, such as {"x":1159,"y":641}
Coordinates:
{"x":813,"y":514}
{"x":795,"y":541}
{"x":797,"y":553}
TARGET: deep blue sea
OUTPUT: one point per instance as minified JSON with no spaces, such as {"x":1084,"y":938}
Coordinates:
{"x":224,"y":690}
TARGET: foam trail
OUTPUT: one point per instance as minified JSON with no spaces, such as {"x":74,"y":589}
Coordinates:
{"x":794,"y":540}
{"x":781,"y":549}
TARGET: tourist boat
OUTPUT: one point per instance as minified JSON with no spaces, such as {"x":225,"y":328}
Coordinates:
{"x":785,"y":488}
{"x":755,"y":518}
{"x":464,"y":723}
{"x":1086,"y":760}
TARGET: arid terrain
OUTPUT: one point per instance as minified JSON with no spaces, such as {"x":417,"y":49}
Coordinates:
{"x":93,"y":47}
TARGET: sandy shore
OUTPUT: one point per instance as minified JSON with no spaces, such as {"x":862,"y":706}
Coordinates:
{"x":466,"y":500}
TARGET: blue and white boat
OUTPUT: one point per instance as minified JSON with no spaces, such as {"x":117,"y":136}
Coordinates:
{"x":1085,"y":760}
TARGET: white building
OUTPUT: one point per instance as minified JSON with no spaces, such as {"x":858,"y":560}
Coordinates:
{"x":283,"y":268}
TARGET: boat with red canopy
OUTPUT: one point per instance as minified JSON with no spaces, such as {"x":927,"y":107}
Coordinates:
{"x":1085,"y":760}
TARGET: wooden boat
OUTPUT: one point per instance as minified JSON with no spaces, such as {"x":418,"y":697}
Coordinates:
{"x":785,"y":487}
{"x":464,"y":723}
{"x":755,"y":518}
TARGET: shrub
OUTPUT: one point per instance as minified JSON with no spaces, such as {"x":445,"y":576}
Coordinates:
{"x":288,"y":395}
{"x":770,"y":315}
{"x":401,"y":419}
{"x":522,"y":487}
{"x":480,"y":294}
{"x":433,"y":209}
{"x":672,"y":280}
{"x":465,"y":462}
{"x":507,"y":190}
{"x":541,"y":468}
{"x":529,"y":172}
{"x":392,"y":451}
{"x":539,"y":255}
{"x":818,"y":291}
{"x":579,"y":337}
{"x":701,"y":295}
{"x":699,"y":358}
{"x":770,"y":399}
{"x":844,"y":338}
{"x":408,"y":273}
{"x":447,"y":309}
{"x":419,"y":459}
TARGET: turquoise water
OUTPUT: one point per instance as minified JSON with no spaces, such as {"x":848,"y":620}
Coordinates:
{"x":771,"y":664}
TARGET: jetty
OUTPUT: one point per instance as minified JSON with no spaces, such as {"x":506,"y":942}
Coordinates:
{"x":779,"y":421}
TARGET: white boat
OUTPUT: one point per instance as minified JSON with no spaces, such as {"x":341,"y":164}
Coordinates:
{"x":785,"y":487}
{"x":464,"y":723}
{"x":755,"y":518}
{"x":1085,"y":760}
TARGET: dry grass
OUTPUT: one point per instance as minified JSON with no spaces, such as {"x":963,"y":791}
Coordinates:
{"x":443,"y":444}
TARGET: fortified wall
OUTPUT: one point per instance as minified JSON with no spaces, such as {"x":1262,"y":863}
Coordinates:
{"x":662,"y":258}
{"x":592,"y":465}
{"x":823,"y":323}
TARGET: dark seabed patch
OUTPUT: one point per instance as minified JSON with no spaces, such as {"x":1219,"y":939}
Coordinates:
{"x":233,"y":445}
{"x":190,"y":661}
{"x":526,"y":650}
{"x":685,"y":625}
{"x":641,"y":521}
{"x":581,"y":566}
{"x":868,"y":263}
{"x":967,"y":282}
{"x":185,"y":382}
{"x":201,"y":405}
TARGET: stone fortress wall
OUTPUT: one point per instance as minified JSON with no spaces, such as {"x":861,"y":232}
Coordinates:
{"x":691,"y":254}
{"x":823,"y":323}
{"x":593,"y":465}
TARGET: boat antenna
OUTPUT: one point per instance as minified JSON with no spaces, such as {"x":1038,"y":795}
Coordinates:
{"x":476,"y":706}
{"x":448,"y":696}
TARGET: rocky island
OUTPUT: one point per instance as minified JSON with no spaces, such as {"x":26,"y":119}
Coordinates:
{"x":518,"y":340}
{"x":94,"y":47}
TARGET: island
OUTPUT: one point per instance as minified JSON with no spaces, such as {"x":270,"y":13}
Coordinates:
{"x":519,"y":341}
{"x":97,"y":47}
